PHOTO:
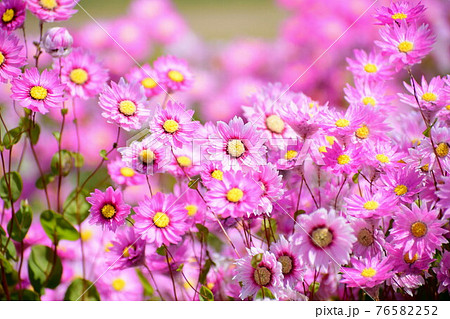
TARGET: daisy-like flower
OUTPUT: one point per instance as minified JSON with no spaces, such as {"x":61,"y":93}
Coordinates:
{"x":193,"y":203}
{"x":369,"y":67}
{"x":289,"y":257}
{"x":236,"y":195}
{"x":368,"y":94}
{"x":12,"y":13}
{"x":267,"y":273}
{"x":38,"y":92}
{"x":444,"y":193}
{"x":370,"y":239}
{"x":403,"y":263}
{"x":119,"y":285}
{"x":405,"y":44}
{"x":52,"y":10}
{"x":441,"y":152}
{"x":121,"y":174}
{"x":323,"y":237}
{"x":417,"y":231}
{"x":369,"y":205}
{"x":399,"y":11}
{"x":338,"y":160}
{"x":160,"y":219}
{"x":403,"y":183}
{"x":148,"y":156}
{"x":211,"y":171}
{"x":341,"y":125}
{"x":108,"y":208}
{"x":383,"y":155}
{"x":174,"y":124}
{"x":432,"y":96}
{"x":443,"y":273}
{"x":84,"y":75}
{"x":126,"y":250}
{"x":237,"y":145}
{"x":268,"y":178}
{"x":373,"y":127}
{"x":12,"y":56}
{"x":292,"y":156}
{"x":183,"y":161}
{"x":124,"y":104}
{"x":173,"y":73}
{"x":367,"y":272}
{"x":147,"y":77}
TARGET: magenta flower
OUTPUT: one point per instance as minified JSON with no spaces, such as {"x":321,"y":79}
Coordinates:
{"x":403,"y":183}
{"x":160,"y":219}
{"x":405,"y":264}
{"x":370,"y":205}
{"x":399,"y":11}
{"x":52,"y":10}
{"x":441,"y":151}
{"x":126,"y":250}
{"x":369,"y":67}
{"x":13,"y":14}
{"x":338,"y":160}
{"x":367,"y":272}
{"x":121,"y":174}
{"x":118,"y":285}
{"x":267,"y":176}
{"x":443,"y":273}
{"x":341,"y":125}
{"x":382,"y":155}
{"x":288,"y":255}
{"x":210,"y":172}
{"x":108,"y":209}
{"x":148,"y":78}
{"x":57,"y":42}
{"x":369,"y":238}
{"x":38,"y":92}
{"x":12,"y":56}
{"x":173,"y":73}
{"x":368,"y":94}
{"x":444,"y":193}
{"x":373,"y":127}
{"x":124,"y":104}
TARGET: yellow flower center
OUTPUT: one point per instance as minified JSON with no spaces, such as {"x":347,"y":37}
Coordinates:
{"x":235,"y":148}
{"x":425,"y":168}
{"x":399,"y":16}
{"x":275,"y":124}
{"x":108,"y":211}
{"x":322,"y":237}
{"x":429,"y":97}
{"x":290,"y":155}
{"x":343,"y":159}
{"x":362,"y":132}
{"x":217,"y":174}
{"x":8,"y":15}
{"x":148,"y":83}
{"x":368,"y":272}
{"x":235,"y":195}
{"x":447,"y":107}
{"x":382,"y":158}
{"x":48,"y":4}
{"x":330,"y":139}
{"x":400,"y":190}
{"x":371,"y":205}
{"x":322,"y":149}
{"x":175,"y":76}
{"x":191,"y":209}
{"x":118,"y":284}
{"x":442,"y":149}
{"x":86,"y":234}
{"x":161,"y":220}
{"x":126,"y":252}
{"x":108,"y":246}
{"x":184,"y":161}
{"x":127,"y":107}
{"x":405,"y":46}
{"x":419,"y":229}
{"x":79,"y":76}
{"x":370,"y":68}
{"x":170,"y":126}
{"x":342,"y":123}
{"x":127,"y":171}
{"x":369,"y":100}
{"x":410,"y":260}
{"x":38,"y":93}
{"x":2,"y":58}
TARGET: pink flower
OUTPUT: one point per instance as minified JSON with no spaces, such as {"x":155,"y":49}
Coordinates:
{"x":369,"y":94}
{"x":443,"y":273}
{"x":57,"y":42}
{"x":403,"y":183}
{"x":369,"y":67}
{"x":367,"y":272}
{"x":52,"y":10}
{"x":118,"y":285}
{"x":173,"y":73}
{"x":370,"y":205}
{"x":148,"y":78}
{"x":341,"y":125}
{"x":267,"y":176}
{"x":399,"y":11}
{"x":121,"y":174}
{"x":127,"y":250}
{"x":38,"y":92}
{"x":338,"y":160}
{"x":210,"y":172}
{"x":444,"y":193}
{"x":288,"y":255}
{"x":405,"y":264}
{"x":12,"y":13}
{"x":370,"y":238}
{"x":12,"y":56}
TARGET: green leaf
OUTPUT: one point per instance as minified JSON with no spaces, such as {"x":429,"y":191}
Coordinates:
{"x":19,"y":225}
{"x":57,"y":227}
{"x":76,"y":208}
{"x":66,"y":163}
{"x":256,"y":260}
{"x":12,"y":278}
{"x":16,"y":187}
{"x":355,"y":178}
{"x":314,"y":287}
{"x":12,"y":137}
{"x":42,"y":182}
{"x":298,"y":213}
{"x":79,"y":159}
{"x":57,"y":135}
{"x":10,"y":248}
{"x":148,"y":289}
{"x":25,"y":295}
{"x":205,"y":270}
{"x":215,"y":242}
{"x":35,"y":132}
{"x":40,"y":265}
{"x":263,"y":293}
{"x":203,"y":232}
{"x":103,"y":154}
{"x":180,"y":267}
{"x":206,"y":294}
{"x":76,"y":289}
{"x":161,"y":251}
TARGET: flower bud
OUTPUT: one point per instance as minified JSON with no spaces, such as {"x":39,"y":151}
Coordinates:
{"x":57,"y":42}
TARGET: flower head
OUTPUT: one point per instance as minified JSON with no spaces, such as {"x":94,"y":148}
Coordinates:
{"x":126,"y":250}
{"x":339,"y":160}
{"x":12,"y":13}
{"x":291,"y":265}
{"x":443,"y":273}
{"x":399,"y":11}
{"x":52,"y":10}
{"x":57,"y":42}
{"x":369,"y":67}
{"x":173,"y":73}
{"x":370,"y":205}
{"x":368,"y":272}
{"x":121,"y":174}
{"x":148,"y":78}
{"x":12,"y":56}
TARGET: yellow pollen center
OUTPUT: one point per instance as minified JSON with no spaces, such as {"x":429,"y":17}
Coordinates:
{"x":370,"y":68}
{"x":118,"y":284}
{"x":146,"y":156}
{"x":235,"y":195}
{"x":447,"y":107}
{"x":429,"y":97}
{"x":79,"y":76}
{"x":8,"y":15}
{"x":108,"y":211}
{"x":410,"y":260}
{"x":442,"y":149}
{"x":342,"y":123}
{"x":275,"y":124}
{"x":126,"y":251}
{"x":369,"y":100}
{"x":322,"y":237}
{"x":330,"y":139}
{"x":38,"y":93}
{"x":2,"y":58}
{"x":368,"y":272}
{"x":175,"y":76}
{"x":362,"y":132}
{"x":217,"y":174}
{"x":127,"y":107}
{"x":419,"y":229}
{"x":108,"y":246}
{"x":400,"y":190}
{"x":322,"y":149}
{"x":161,"y":220}
{"x":184,"y":161}
{"x":235,"y":148}
{"x":371,"y":205}
{"x":86,"y":235}
{"x":382,"y":158}
{"x":405,"y":46}
{"x":191,"y":209}
{"x":425,"y":168}
{"x":48,"y":4}
{"x":290,"y":154}
{"x":170,"y":126}
{"x":148,"y":83}
{"x":399,"y":16}
{"x":343,"y":159}
{"x":127,"y":171}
